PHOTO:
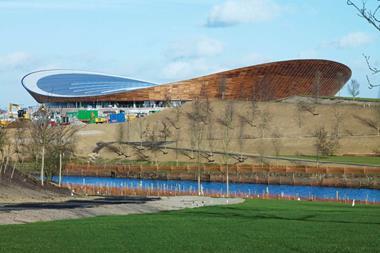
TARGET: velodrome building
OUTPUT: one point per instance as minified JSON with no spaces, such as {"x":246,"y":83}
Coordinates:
{"x":276,"y":80}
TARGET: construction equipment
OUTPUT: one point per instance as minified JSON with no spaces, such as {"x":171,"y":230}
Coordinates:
{"x":12,"y":110}
{"x":100,"y":120}
{"x":131,"y":117}
{"x":23,"y":114}
{"x":4,"y":123}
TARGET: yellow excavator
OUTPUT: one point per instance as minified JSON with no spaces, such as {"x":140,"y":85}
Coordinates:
{"x":13,"y":110}
{"x":16,"y":112}
{"x":4,"y":123}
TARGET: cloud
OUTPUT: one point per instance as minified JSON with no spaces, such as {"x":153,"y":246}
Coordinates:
{"x":351,"y":40}
{"x":233,"y":12}
{"x":189,"y":68}
{"x":355,"y":40}
{"x":182,"y":69}
{"x":15,"y":60}
{"x":194,"y":48}
{"x":188,"y":58}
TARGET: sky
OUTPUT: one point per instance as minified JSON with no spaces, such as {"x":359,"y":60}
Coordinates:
{"x":169,"y":40}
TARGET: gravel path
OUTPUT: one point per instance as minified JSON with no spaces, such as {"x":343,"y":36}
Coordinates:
{"x":81,"y":208}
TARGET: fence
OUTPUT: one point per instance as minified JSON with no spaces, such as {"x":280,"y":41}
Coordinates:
{"x":127,"y":191}
{"x":242,"y":173}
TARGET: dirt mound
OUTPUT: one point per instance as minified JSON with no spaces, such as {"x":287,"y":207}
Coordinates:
{"x":290,"y":125}
{"x":17,"y":214}
{"x":17,"y":187}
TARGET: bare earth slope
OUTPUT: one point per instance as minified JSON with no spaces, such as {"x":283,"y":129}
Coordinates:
{"x":23,"y":200}
{"x":20,"y":188}
{"x":294,"y":127}
{"x":22,"y":214}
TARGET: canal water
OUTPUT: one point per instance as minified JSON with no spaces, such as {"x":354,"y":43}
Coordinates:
{"x":370,"y":195}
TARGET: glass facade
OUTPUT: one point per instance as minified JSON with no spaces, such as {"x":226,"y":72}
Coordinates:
{"x":79,"y":84}
{"x":111,"y":104}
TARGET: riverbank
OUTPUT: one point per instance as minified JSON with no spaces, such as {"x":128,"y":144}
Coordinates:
{"x":16,"y":187}
{"x":101,"y":186}
{"x":349,"y":176}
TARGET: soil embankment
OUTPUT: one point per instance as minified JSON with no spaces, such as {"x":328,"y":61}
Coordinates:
{"x":283,"y":127}
{"x":26,"y":213}
{"x":24,"y":200}
{"x":16,"y":187}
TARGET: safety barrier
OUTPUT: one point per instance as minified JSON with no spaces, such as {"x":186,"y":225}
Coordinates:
{"x":243,"y":173}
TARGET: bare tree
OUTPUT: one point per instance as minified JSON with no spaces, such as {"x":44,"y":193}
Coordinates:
{"x":3,"y":144}
{"x":265,"y":119}
{"x":374,"y":71}
{"x":242,"y":138}
{"x":227,"y":123}
{"x":222,"y":87}
{"x":369,"y":11}
{"x":354,"y":88}
{"x":210,"y":122}
{"x":261,"y":152}
{"x":141,"y":133}
{"x":338,"y":118}
{"x":153,"y":135}
{"x":250,"y":116}
{"x":41,"y":133}
{"x":61,"y":148}
{"x":197,"y":120}
{"x":371,"y":14}
{"x":50,"y":143}
{"x":317,"y":86}
{"x":19,"y":145}
{"x":3,"y":141}
{"x":175,"y":122}
{"x":165,"y":133}
{"x":325,"y":144}
{"x":299,"y":110}
{"x":276,"y":142}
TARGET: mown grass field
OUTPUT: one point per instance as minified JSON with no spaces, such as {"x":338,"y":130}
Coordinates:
{"x":255,"y":226}
{"x":369,"y":160}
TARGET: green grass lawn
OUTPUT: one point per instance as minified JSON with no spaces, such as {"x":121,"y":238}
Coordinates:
{"x":370,"y":160}
{"x":255,"y":226}
{"x":352,"y":99}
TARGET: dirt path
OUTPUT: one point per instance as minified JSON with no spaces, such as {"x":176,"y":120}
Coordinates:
{"x":81,"y":208}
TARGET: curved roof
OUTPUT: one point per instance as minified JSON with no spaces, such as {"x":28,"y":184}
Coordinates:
{"x":261,"y":82}
{"x":74,"y":83}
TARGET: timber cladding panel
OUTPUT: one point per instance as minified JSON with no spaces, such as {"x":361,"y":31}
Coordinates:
{"x":261,"y":82}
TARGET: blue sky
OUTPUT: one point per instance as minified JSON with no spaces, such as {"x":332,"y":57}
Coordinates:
{"x":169,"y":40}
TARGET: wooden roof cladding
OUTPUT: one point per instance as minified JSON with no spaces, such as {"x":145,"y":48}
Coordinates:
{"x":262,"y":82}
